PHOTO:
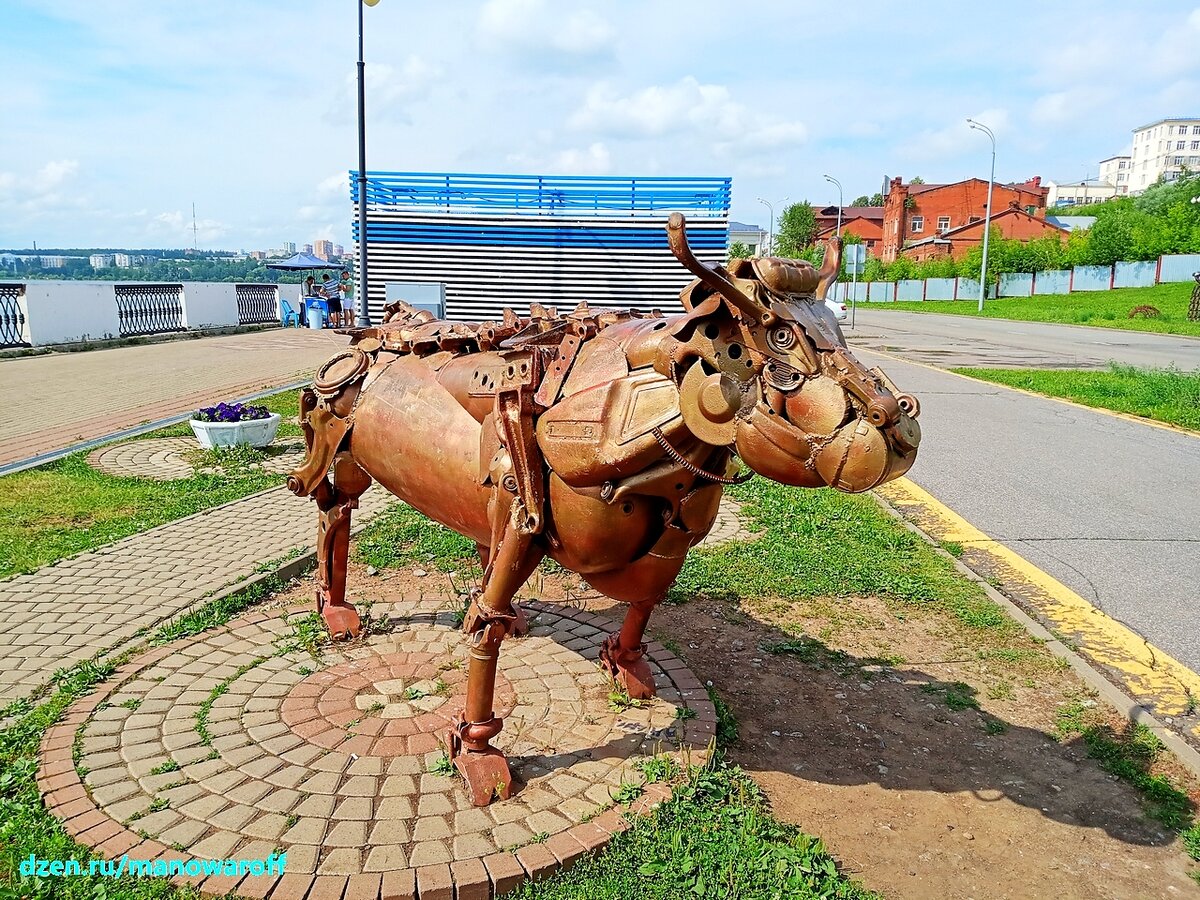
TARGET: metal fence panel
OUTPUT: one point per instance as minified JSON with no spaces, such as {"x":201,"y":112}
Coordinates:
{"x":856,"y":292}
{"x":910,"y":289}
{"x":881,"y":291}
{"x":1052,"y":281}
{"x":258,"y":304}
{"x":149,"y":308}
{"x":968,"y":289}
{"x":939,"y":288}
{"x":12,"y":316}
{"x":1016,"y":284}
{"x":1134,"y":274}
{"x":1178,"y":267}
{"x":1092,"y":278}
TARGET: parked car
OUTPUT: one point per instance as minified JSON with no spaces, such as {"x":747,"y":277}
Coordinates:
{"x":838,"y":309}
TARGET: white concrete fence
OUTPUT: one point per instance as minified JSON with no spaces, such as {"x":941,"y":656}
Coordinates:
{"x":37,"y":313}
{"x":1164,"y":270}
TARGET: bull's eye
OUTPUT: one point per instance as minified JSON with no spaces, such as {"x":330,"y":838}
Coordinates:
{"x":781,"y":339}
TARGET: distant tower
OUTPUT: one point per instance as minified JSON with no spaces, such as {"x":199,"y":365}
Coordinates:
{"x":195,"y":240}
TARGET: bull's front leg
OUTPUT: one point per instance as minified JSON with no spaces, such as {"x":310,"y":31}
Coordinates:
{"x":491,"y":618}
{"x":335,"y":501}
{"x":623,"y":655}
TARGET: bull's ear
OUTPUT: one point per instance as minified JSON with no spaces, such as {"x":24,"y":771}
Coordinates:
{"x":740,"y":268}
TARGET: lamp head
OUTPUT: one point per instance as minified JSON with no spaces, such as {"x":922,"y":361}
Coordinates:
{"x":370,"y":2}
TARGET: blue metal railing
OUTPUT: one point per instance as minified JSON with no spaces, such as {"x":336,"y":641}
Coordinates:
{"x":576,"y":195}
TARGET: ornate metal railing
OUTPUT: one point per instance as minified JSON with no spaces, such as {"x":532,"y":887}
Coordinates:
{"x":12,"y":316}
{"x":149,"y":308}
{"x":257,"y":304}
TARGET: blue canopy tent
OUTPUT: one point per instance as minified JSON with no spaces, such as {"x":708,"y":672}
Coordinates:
{"x":299,"y":263}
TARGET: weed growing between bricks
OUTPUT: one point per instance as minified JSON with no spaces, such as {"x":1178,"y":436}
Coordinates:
{"x":26,"y":827}
{"x":715,"y":838}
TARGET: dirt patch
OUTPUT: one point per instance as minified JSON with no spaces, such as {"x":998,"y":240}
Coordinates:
{"x":929,"y":767}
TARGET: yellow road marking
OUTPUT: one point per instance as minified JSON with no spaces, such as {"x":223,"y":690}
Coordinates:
{"x":1128,"y":417}
{"x":1150,"y":675}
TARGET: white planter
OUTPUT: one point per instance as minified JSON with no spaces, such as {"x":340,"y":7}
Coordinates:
{"x":255,"y":432}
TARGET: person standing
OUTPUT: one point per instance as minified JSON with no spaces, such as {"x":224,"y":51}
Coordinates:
{"x":333,"y":296}
{"x":347,"y":286}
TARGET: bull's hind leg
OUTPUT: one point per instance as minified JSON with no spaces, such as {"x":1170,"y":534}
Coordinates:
{"x":491,"y":618}
{"x":623,"y":655}
{"x":335,"y":502}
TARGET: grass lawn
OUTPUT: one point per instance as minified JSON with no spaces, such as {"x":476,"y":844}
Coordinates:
{"x":1165,"y":395}
{"x":66,"y":507}
{"x":1107,"y":309}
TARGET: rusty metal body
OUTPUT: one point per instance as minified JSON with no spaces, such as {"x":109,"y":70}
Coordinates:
{"x":600,"y":438}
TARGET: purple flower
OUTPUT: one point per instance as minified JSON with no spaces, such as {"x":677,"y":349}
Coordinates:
{"x":231,"y":412}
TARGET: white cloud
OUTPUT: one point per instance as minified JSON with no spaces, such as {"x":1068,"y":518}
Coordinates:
{"x":176,"y":225}
{"x":955,"y":139}
{"x":594,"y":159}
{"x":389,"y":90}
{"x":686,"y":108}
{"x":537,"y":27}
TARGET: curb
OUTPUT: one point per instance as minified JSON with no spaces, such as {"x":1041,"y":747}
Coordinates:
{"x":1110,"y":693}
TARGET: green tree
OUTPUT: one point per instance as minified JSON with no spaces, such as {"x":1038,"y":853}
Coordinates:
{"x":797,"y":225}
{"x":738,"y":250}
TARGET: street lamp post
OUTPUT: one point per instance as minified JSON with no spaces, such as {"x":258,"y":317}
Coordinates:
{"x":987,"y":216}
{"x":770,"y":226}
{"x":363,"y":319}
{"x":833,"y":180}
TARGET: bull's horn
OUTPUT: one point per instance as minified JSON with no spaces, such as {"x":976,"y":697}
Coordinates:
{"x":713,"y":280}
{"x":831,"y":266}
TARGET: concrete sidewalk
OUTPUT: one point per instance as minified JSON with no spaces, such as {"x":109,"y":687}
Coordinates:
{"x":95,"y":601}
{"x":53,"y":401}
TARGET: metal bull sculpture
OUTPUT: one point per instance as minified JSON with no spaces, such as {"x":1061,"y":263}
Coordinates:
{"x":601,"y":439}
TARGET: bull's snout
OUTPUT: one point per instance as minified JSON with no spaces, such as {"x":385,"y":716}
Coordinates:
{"x":813,"y":437}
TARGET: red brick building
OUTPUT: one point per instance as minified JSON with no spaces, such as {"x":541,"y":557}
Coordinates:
{"x":869,"y":229}
{"x":1012,"y":223}
{"x":826,"y":217}
{"x":915,"y":212}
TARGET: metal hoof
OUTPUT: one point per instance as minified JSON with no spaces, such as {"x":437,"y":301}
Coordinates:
{"x":486,"y":774}
{"x":342,"y":621}
{"x":628,"y":668}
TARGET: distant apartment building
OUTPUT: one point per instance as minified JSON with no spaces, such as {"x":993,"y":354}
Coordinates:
{"x":308,"y":248}
{"x":125,"y":260}
{"x":752,"y":236}
{"x":323,"y":250}
{"x":1080,"y":193}
{"x":289,"y":247}
{"x":1163,"y":149}
{"x":53,"y":262}
{"x":912,"y":213}
{"x":258,"y":255}
{"x":338,"y":251}
{"x":100,"y":260}
{"x":1116,"y":171}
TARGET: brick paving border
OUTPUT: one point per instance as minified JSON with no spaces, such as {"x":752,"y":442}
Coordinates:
{"x":229,"y":797}
{"x":166,"y":459}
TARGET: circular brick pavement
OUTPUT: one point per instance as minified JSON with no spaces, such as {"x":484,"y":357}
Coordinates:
{"x":238,"y":743}
{"x":166,"y":459}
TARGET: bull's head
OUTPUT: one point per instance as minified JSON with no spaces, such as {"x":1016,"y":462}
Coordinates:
{"x":763,"y":369}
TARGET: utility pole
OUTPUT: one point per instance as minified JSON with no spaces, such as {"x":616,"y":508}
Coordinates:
{"x":363,"y":319}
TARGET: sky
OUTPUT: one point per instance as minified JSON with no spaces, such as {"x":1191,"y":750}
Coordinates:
{"x":119,"y":115}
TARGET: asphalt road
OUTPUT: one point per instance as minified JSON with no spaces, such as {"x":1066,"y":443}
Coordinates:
{"x":1106,"y":505}
{"x":946,"y":340}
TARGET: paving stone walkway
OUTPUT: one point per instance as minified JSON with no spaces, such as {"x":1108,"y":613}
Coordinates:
{"x":53,"y":401}
{"x":241,"y":744}
{"x":65,"y":613}
{"x":167,"y":459}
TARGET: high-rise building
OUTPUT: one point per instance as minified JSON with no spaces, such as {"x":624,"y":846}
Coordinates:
{"x":308,"y":248}
{"x":323,"y":249}
{"x":339,"y":251}
{"x":123,"y":260}
{"x":1163,"y":149}
{"x":100,"y":260}
{"x":289,"y":247}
